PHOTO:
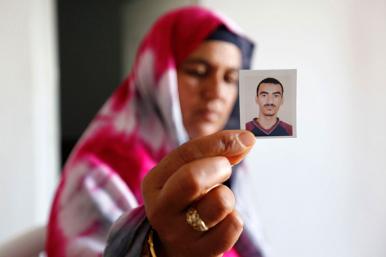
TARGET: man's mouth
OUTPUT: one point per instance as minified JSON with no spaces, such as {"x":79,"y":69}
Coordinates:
{"x":269,"y":107}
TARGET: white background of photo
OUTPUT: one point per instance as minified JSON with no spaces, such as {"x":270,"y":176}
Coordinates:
{"x":248,"y":81}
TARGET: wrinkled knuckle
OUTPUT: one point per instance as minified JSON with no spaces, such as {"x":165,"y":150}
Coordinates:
{"x":219,"y":162}
{"x":226,"y":200}
{"x":223,"y":164}
{"x":226,"y":162}
{"x":224,"y":203}
{"x":227,"y":143}
{"x":192,"y":181}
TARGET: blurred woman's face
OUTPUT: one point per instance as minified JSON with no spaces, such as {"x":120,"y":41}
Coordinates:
{"x":207,"y":85}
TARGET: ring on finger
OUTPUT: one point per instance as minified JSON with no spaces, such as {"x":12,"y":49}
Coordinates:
{"x":194,"y":220}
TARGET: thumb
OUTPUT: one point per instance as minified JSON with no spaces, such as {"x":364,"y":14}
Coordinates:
{"x":232,"y":144}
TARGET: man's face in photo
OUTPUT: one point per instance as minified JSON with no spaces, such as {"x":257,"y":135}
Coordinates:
{"x":269,"y":98}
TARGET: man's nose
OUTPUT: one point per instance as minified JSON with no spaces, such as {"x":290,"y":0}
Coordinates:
{"x":270,"y":99}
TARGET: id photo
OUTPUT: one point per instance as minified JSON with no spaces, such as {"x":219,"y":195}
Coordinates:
{"x":268,"y":102}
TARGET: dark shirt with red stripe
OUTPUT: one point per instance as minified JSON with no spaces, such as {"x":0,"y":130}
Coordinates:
{"x":280,"y":128}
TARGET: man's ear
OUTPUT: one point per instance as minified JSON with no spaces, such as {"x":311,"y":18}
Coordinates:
{"x":257,"y":99}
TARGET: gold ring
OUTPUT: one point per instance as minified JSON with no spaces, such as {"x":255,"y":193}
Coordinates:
{"x":194,"y":220}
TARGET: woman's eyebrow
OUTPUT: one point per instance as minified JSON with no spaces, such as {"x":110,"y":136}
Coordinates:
{"x":203,"y":61}
{"x":197,"y":60}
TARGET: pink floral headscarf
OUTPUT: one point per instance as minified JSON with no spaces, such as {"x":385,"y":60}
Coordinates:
{"x":134,"y":130}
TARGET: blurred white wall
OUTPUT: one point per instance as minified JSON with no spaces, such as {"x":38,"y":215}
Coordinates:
{"x":28,"y":113}
{"x":323,"y":194}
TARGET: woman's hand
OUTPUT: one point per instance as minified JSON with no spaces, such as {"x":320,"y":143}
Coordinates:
{"x":192,"y":175}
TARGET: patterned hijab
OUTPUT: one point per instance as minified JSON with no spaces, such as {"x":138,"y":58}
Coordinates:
{"x":141,"y":121}
{"x":139,"y":124}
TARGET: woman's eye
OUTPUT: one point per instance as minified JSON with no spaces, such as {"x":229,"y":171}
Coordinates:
{"x":231,"y":78}
{"x":196,"y":72}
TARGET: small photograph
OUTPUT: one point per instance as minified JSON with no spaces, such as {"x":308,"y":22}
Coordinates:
{"x":268,"y":102}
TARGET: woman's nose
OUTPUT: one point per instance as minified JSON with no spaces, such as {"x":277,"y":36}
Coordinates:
{"x":213,"y":87}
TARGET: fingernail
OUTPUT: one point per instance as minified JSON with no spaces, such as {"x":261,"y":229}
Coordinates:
{"x":247,"y":139}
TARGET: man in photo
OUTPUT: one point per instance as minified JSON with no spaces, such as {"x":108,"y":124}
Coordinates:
{"x":269,"y":98}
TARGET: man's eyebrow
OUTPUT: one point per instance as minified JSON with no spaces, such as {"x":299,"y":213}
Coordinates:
{"x":274,"y":93}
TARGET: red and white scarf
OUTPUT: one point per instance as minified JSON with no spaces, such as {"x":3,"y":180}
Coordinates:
{"x":139,"y":124}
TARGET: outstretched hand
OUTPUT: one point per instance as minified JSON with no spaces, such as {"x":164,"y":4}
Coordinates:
{"x":192,"y":176}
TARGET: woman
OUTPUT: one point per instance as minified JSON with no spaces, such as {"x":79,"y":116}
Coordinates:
{"x":183,"y":86}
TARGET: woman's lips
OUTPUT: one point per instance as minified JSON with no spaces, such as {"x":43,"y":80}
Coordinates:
{"x":208,"y":115}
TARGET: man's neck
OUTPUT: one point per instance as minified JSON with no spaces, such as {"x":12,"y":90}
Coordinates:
{"x":267,"y":122}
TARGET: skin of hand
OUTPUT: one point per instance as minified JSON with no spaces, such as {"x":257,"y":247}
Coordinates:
{"x":192,"y":175}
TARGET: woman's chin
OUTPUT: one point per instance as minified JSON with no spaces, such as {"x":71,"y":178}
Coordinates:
{"x":203,"y":130}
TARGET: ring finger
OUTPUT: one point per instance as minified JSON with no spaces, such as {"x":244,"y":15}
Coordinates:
{"x":215,"y":205}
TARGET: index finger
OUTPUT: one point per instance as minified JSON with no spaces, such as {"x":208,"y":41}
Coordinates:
{"x":232,"y":144}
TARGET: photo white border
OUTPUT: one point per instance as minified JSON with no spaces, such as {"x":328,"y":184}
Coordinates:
{"x":248,"y":81}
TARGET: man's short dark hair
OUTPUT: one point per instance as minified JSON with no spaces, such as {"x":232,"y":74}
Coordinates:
{"x":269,"y":81}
